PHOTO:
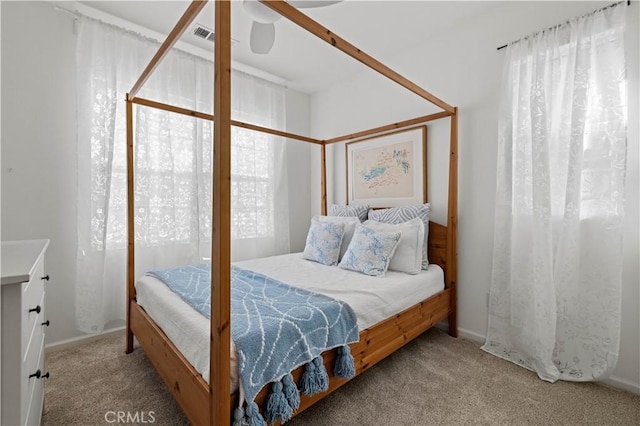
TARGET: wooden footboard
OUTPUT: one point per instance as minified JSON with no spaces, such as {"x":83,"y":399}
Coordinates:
{"x":192,"y":392}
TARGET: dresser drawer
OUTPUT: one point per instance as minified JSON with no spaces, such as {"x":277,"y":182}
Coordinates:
{"x":32,"y":346}
{"x":33,"y":296}
{"x":33,"y":393}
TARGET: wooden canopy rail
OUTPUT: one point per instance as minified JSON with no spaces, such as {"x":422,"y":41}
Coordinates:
{"x":389,"y":127}
{"x":209,"y":403}
{"x":209,"y":117}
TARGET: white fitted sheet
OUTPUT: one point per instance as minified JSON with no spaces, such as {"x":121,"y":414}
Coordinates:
{"x":372,"y":298}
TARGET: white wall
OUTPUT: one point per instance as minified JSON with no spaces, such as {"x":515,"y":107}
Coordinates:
{"x":298,"y":154}
{"x":38,"y":145}
{"x":38,"y":173}
{"x":462,"y":67}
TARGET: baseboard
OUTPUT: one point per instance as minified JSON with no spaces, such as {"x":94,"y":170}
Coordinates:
{"x":69,"y":343}
{"x":464,"y":333}
{"x":620,"y":383}
{"x":470,"y":335}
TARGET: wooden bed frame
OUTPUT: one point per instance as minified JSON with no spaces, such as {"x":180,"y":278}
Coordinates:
{"x":212,"y":403}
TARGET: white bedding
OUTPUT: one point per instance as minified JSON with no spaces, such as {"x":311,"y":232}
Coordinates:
{"x":372,"y":298}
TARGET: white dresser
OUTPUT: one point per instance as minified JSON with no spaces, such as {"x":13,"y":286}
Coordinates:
{"x":23,"y":328}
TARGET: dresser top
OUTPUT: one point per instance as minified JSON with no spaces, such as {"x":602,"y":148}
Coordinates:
{"x":18,"y":259}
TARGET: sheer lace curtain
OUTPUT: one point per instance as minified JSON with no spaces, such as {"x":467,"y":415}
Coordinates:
{"x":556,"y":286}
{"x":173,"y":160}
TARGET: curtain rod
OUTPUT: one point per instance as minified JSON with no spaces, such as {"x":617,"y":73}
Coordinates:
{"x":565,"y":22}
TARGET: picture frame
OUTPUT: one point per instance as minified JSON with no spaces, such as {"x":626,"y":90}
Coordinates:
{"x":388,"y":170}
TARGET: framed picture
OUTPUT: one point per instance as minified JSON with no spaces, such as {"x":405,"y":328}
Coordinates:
{"x":388,"y":170}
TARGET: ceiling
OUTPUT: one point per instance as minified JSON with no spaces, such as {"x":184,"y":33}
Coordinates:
{"x":379,"y":28}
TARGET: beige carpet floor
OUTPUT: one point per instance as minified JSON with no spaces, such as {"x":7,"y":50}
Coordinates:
{"x":434,"y":380}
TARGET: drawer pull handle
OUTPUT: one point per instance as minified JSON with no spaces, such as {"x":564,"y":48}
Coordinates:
{"x":37,"y":309}
{"x":46,"y":323}
{"x":46,"y":277}
{"x":38,"y":375}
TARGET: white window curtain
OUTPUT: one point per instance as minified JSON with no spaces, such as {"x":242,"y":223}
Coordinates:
{"x":173,"y":160}
{"x":557,"y":268}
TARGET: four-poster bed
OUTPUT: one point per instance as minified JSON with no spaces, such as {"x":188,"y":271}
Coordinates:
{"x":212,"y":402}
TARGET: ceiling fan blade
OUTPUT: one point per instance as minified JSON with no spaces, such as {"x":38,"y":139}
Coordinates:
{"x":301,"y":4}
{"x":262,"y":37}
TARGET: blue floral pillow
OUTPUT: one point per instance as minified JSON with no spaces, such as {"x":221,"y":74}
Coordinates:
{"x":370,"y":251}
{"x":354,"y":210}
{"x":323,"y":242}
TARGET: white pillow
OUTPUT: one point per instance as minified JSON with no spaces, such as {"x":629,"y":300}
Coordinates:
{"x":403,"y":214}
{"x":408,"y":255}
{"x":349,"y":226}
{"x":323,"y":242}
{"x":370,"y":251}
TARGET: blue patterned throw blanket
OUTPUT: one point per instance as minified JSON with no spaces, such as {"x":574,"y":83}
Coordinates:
{"x":276,"y":328}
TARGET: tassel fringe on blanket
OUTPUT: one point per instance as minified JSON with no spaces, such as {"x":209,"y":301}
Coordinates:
{"x":284,"y":397}
{"x":315,"y":378}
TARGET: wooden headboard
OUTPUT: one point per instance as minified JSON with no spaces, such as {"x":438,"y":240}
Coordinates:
{"x":437,"y":250}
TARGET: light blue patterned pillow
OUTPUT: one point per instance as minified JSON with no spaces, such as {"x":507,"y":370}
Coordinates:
{"x":354,"y":210}
{"x":370,"y":251}
{"x":404,"y":214}
{"x":323,"y":242}
{"x":349,"y":227}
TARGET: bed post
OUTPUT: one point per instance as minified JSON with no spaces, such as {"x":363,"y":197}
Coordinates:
{"x":452,"y":225}
{"x":219,"y":363}
{"x":323,"y":180}
{"x":131,"y":290}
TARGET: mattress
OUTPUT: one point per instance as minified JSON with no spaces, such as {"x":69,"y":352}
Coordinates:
{"x":372,"y":298}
